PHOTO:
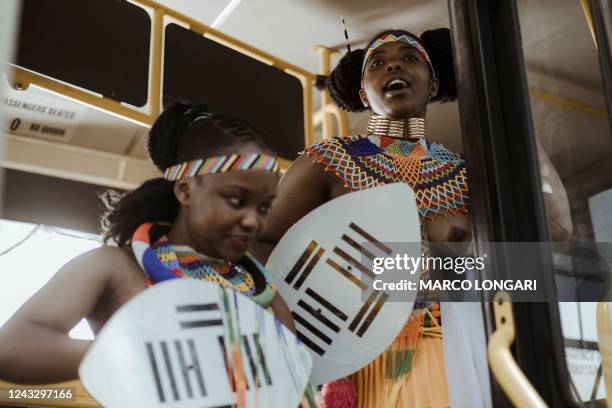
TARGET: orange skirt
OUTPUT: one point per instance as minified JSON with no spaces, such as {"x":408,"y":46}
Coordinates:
{"x":424,"y":387}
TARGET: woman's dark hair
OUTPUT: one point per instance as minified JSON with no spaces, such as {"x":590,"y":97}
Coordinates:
{"x":344,"y":81}
{"x":183,"y":132}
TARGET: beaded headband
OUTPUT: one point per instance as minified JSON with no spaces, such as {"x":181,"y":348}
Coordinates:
{"x":389,"y":38}
{"x":222,"y":164}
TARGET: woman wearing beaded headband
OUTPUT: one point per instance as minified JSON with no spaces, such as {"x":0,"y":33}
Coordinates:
{"x":197,"y":222}
{"x":396,"y":76}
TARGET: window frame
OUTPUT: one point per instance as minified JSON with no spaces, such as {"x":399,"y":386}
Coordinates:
{"x":506,"y":196}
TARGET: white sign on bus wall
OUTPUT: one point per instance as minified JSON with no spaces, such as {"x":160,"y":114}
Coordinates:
{"x":37,"y":115}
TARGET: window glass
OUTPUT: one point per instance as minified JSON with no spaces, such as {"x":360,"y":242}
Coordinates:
{"x":571,"y":127}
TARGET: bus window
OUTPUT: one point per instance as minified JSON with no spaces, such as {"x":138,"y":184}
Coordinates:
{"x":570,"y":122}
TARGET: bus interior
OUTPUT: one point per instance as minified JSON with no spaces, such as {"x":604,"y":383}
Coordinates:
{"x":82,"y":81}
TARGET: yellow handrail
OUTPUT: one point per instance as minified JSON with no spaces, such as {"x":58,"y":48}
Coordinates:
{"x":604,"y":334}
{"x":586,"y":9}
{"x":328,"y":109}
{"x":567,"y":103}
{"x":505,"y":370}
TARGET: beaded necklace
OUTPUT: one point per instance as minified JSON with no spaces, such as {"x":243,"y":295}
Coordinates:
{"x":415,"y":128}
{"x":398,"y":151}
{"x":161,"y":260}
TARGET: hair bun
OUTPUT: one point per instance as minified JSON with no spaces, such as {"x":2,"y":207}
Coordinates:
{"x":438,"y":44}
{"x":344,"y":82}
{"x":168,"y":130}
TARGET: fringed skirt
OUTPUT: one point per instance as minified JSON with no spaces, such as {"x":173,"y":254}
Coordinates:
{"x":410,"y":374}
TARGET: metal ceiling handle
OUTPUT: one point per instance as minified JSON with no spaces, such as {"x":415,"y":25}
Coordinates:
{"x":604,"y":333}
{"x":507,"y":373}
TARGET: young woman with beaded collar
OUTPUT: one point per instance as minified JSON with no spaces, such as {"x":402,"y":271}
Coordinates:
{"x":396,"y":76}
{"x":198,"y":221}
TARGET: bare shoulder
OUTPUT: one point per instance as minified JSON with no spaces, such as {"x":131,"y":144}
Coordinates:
{"x":302,"y":188}
{"x":307,"y":172}
{"x":102,"y":261}
{"x":105,"y":252}
{"x":306,"y":165}
{"x":119,"y":266}
{"x":112,"y":269}
{"x":117,"y":256}
{"x":122,"y":279}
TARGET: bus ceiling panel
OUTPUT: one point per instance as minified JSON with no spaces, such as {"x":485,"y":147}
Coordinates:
{"x":98,"y":45}
{"x":199,"y":69}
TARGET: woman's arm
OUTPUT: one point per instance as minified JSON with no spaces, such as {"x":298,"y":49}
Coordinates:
{"x":556,"y":203}
{"x":34,"y":344}
{"x":304,"y":187}
{"x":282,"y":312}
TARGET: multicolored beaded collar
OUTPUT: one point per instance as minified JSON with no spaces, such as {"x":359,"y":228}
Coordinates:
{"x":394,"y":37}
{"x":161,"y":260}
{"x":437,"y":175}
{"x":222,"y":164}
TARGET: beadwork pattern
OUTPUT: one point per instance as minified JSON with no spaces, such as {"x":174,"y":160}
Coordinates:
{"x":222,"y":164}
{"x":161,"y":260}
{"x":437,"y":176}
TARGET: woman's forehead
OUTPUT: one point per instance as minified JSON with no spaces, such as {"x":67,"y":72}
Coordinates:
{"x":248,"y":181}
{"x":395,"y":42}
{"x":392,"y":47}
{"x":247,"y":147}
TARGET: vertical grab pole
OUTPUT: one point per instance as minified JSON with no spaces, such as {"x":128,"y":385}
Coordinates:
{"x":325,"y":55}
{"x":156,"y":63}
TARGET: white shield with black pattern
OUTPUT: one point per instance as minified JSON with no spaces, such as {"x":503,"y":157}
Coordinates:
{"x":324,"y":273}
{"x":170,"y":346}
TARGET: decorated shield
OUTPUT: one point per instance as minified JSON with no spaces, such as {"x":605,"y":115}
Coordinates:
{"x":322,"y":267}
{"x":185,"y":343}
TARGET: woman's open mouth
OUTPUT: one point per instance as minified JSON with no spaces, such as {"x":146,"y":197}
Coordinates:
{"x":395,"y":86}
